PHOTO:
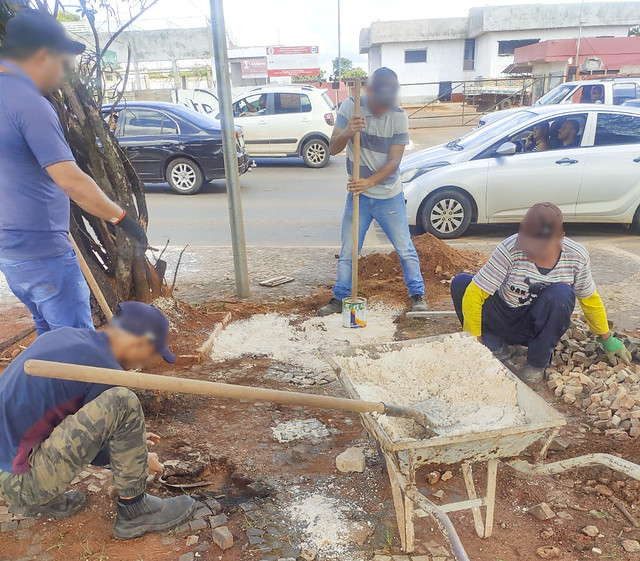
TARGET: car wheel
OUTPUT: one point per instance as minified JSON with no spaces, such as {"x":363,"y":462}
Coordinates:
{"x":446,"y":215}
{"x":315,"y":153}
{"x":506,"y":103}
{"x":184,"y":176}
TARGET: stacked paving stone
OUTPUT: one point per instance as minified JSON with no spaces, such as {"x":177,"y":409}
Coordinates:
{"x":580,"y":374}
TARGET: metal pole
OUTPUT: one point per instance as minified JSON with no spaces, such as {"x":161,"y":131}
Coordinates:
{"x":339,"y":58}
{"x":578,"y":42}
{"x":221,"y":63}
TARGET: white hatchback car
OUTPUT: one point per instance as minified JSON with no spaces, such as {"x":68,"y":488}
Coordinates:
{"x":488,"y":177}
{"x":281,"y":121}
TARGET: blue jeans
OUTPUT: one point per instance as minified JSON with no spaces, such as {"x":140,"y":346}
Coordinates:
{"x":391,"y":214}
{"x":53,"y":290}
{"x":538,"y":326}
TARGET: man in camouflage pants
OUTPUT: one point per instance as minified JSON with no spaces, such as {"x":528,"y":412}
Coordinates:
{"x":51,"y":429}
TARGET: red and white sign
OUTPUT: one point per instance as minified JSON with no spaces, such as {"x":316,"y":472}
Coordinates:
{"x":254,"y":67}
{"x":293,"y":61}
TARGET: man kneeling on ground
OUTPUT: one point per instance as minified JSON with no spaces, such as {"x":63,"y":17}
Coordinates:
{"x":51,"y":429}
{"x":525,"y":294}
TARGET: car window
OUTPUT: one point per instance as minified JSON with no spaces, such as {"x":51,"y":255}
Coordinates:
{"x":624,"y":92}
{"x":556,"y":95}
{"x":291,"y":103}
{"x":328,"y":101}
{"x":113,"y":122}
{"x":251,"y":105}
{"x":146,"y":122}
{"x":484,"y":134}
{"x":616,"y":128}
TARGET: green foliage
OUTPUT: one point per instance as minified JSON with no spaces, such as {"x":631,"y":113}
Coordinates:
{"x":354,"y":72}
{"x":308,"y":79}
{"x":346,"y":65}
{"x":67,"y":16}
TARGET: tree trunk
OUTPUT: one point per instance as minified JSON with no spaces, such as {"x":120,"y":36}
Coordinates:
{"x":120,"y":273}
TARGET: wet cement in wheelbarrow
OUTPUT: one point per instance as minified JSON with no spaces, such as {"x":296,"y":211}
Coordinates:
{"x":457,"y":382}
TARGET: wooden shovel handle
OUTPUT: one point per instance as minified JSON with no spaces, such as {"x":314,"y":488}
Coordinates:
{"x":91,"y":281}
{"x":142,"y":381}
{"x":356,"y":198}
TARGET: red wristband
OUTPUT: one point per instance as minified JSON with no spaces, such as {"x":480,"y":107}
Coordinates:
{"x":115,"y":220}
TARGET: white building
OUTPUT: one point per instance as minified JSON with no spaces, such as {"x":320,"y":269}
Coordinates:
{"x":434,"y":54}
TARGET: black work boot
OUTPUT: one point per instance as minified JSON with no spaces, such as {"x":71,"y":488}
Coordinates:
{"x":531,"y":374}
{"x":151,"y":514}
{"x":333,"y":307}
{"x":418,"y":304}
{"x":62,"y":506}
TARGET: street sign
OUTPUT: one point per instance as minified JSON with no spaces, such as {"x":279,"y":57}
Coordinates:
{"x":292,"y":61}
{"x":254,"y":67}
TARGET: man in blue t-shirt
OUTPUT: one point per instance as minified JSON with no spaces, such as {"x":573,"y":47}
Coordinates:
{"x":39,"y":175}
{"x":51,"y":429}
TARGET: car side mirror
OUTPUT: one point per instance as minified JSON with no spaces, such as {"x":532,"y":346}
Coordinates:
{"x":506,"y":149}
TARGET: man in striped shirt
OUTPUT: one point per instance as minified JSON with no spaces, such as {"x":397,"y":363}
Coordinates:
{"x":526,"y":292}
{"x":384,"y":134}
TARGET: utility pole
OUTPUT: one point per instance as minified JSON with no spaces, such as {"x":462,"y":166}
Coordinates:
{"x":578,"y":41}
{"x":236,"y":221}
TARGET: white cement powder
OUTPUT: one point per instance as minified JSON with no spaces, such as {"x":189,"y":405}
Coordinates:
{"x":326,"y":524}
{"x":289,"y":431}
{"x":291,"y":340}
{"x":458,"y":382}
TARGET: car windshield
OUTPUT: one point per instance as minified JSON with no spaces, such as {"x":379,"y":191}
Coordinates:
{"x":556,"y":95}
{"x":481,"y":135}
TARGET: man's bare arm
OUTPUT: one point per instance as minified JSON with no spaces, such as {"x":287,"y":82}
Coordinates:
{"x":83,"y":190}
{"x":340,"y":137}
{"x":388,"y":169}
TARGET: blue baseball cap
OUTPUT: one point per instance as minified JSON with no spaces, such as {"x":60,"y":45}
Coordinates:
{"x":35,"y":29}
{"x":141,"y":319}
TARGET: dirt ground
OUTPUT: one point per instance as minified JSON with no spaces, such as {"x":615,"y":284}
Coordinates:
{"x":234,"y":448}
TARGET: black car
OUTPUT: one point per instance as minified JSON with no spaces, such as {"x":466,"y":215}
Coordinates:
{"x":172,"y":143}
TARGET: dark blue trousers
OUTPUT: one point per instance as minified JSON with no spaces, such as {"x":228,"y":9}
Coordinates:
{"x":538,"y":326}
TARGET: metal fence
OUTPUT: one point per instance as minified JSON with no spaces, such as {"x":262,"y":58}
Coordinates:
{"x":464,"y":102}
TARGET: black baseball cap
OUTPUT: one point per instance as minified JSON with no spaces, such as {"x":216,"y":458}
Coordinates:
{"x":542,"y":223}
{"x":35,"y":29}
{"x":384,"y":87}
{"x":141,"y":319}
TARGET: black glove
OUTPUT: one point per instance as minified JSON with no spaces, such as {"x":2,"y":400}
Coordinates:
{"x":135,"y":232}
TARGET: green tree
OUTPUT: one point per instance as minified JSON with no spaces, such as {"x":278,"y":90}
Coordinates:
{"x":634,"y":31}
{"x":307,"y":79}
{"x":354,"y":72}
{"x":67,"y":16}
{"x":345,"y":65}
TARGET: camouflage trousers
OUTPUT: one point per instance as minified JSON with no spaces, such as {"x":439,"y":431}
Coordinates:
{"x":114,"y":420}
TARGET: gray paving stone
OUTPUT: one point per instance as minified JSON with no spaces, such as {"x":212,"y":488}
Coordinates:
{"x":199,"y":524}
{"x":202,"y":512}
{"x":204,"y":546}
{"x":9,"y":526}
{"x":219,"y":520}
{"x":255,"y":532}
{"x":255,"y":540}
{"x":33,"y":550}
{"x":183,"y":528}
{"x":167,"y":540}
{"x":291,"y":552}
{"x":187,"y":557}
{"x":22,"y":534}
{"x":214,"y":506}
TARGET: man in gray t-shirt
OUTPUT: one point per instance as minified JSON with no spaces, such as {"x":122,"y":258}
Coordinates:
{"x":384,"y":132}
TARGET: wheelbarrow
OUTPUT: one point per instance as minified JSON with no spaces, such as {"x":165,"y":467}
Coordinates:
{"x":404,"y":458}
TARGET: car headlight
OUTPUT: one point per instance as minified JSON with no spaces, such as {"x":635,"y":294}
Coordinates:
{"x":409,"y":175}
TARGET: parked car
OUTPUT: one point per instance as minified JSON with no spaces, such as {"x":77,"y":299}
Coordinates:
{"x":172,"y":143}
{"x":281,"y":121}
{"x":489,"y":177}
{"x":608,"y":91}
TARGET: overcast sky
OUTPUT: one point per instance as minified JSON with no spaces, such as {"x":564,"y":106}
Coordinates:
{"x":308,"y":22}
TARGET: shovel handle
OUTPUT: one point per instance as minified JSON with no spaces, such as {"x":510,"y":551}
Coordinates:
{"x":143,"y":381}
{"x":356,"y":198}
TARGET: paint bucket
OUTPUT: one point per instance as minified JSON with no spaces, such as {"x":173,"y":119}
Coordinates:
{"x":354,"y":312}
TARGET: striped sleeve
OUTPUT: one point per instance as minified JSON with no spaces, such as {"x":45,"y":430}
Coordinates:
{"x":345,"y":113}
{"x":495,"y":271}
{"x":584,"y":285}
{"x":400,"y":129}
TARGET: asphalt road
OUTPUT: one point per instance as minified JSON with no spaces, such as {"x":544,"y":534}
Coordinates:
{"x":287,"y":204}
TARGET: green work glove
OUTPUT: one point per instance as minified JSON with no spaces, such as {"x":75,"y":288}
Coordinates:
{"x":615,"y":350}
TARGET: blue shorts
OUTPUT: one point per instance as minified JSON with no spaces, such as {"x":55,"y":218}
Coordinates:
{"x":54,"y":290}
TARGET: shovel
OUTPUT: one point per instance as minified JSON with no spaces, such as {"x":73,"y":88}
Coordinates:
{"x":143,"y":381}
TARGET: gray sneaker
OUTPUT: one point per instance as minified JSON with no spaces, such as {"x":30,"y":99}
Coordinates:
{"x":151,"y":514}
{"x":62,"y":506}
{"x":531,"y":374}
{"x":503,"y":353}
{"x":333,"y":307}
{"x":418,"y":304}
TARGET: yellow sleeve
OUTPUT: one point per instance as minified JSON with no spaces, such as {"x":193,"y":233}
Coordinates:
{"x":472,"y":303}
{"x":596,"y":315}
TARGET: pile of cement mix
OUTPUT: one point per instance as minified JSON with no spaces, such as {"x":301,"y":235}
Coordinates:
{"x":457,"y":382}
